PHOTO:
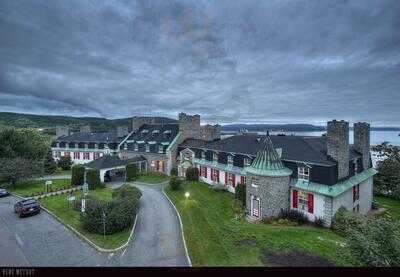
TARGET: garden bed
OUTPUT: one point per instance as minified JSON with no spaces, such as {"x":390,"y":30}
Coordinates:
{"x":68,"y":215}
{"x":152,"y":177}
{"x":37,"y":187}
{"x":215,"y":237}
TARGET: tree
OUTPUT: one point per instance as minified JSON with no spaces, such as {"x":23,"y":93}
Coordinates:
{"x":240,"y":193}
{"x":50,"y":165}
{"x":93,"y":178}
{"x":65,"y":162}
{"x":192,"y":174}
{"x":78,"y":175}
{"x":387,"y":181}
{"x":131,"y":172}
{"x":174,"y":171}
{"x":175,"y":183}
{"x":22,"y":154}
{"x":387,"y":150}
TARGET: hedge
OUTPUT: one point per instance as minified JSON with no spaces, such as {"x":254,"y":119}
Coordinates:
{"x":132,"y":172}
{"x":93,"y":178}
{"x":175,"y":183}
{"x":174,"y":171}
{"x":65,"y":162}
{"x":77,"y":175}
{"x":192,"y":174}
{"x":120,"y":211}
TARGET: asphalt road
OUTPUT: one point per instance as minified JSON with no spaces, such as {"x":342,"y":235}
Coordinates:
{"x":41,"y":240}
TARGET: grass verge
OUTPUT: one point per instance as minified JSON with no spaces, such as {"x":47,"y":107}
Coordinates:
{"x":392,"y":205}
{"x":152,"y":177}
{"x":59,"y":206}
{"x":31,"y":188}
{"x":214,"y":236}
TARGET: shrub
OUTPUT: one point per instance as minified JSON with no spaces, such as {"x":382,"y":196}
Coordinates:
{"x":50,"y":165}
{"x":293,"y":215}
{"x":344,"y":221}
{"x":58,"y":170}
{"x":78,"y":175}
{"x":174,"y":171}
{"x":319,"y":222}
{"x":131,"y":172}
{"x":218,"y":187}
{"x":93,"y":178}
{"x":192,"y":174}
{"x":175,"y":183}
{"x":387,"y":181}
{"x":376,"y":243}
{"x":240,"y":193}
{"x":120,"y":212}
{"x":65,"y":162}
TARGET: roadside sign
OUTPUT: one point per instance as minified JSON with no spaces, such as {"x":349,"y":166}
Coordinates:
{"x":83,"y":206}
{"x":48,"y":183}
{"x":71,"y":198}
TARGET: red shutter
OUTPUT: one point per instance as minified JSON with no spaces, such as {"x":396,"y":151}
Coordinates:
{"x":354,"y":194}
{"x":234,"y":180}
{"x":311,"y":203}
{"x":217,"y":172}
{"x":205,"y":170}
{"x":242,"y":181}
{"x":294,"y":196}
{"x":226,"y":178}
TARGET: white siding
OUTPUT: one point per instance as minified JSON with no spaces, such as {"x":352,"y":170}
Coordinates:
{"x":318,"y":206}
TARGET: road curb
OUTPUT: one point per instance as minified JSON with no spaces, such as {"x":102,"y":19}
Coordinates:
{"x":182,"y":233}
{"x":87,"y":240}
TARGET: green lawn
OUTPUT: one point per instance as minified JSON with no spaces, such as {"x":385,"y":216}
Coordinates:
{"x":215,"y":238}
{"x":392,"y":205}
{"x":59,"y":206}
{"x":29,"y":188}
{"x":64,"y":172}
{"x":152,"y":177}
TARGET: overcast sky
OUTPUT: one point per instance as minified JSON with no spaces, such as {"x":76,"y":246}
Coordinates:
{"x":230,"y":61}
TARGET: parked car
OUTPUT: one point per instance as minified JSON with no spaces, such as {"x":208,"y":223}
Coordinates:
{"x":4,"y":193}
{"x":27,"y":207}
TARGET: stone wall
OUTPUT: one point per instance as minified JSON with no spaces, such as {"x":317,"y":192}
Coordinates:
{"x":189,"y":126}
{"x":210,"y":132}
{"x":362,"y":142}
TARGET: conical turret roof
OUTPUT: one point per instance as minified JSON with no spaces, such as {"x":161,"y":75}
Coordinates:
{"x":268,"y":162}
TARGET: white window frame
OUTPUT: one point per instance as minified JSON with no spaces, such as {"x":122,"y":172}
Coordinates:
{"x":302,"y":201}
{"x":147,"y":148}
{"x":125,"y":146}
{"x":136,"y":146}
{"x":160,"y":149}
{"x":303,"y":173}
{"x":230,"y":159}
{"x":247,"y":162}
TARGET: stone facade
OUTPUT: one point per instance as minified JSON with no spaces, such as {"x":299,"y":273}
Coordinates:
{"x":362,"y":142}
{"x":273,"y":194}
{"x":84,"y":129}
{"x":210,"y":132}
{"x":338,"y":145}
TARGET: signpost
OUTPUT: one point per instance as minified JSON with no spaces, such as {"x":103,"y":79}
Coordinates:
{"x":47,"y":184}
{"x":70,"y":199}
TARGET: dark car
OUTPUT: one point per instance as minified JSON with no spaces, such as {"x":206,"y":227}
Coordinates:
{"x":4,"y":193}
{"x":27,"y":207}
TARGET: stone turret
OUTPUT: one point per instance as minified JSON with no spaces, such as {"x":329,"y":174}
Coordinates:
{"x":189,"y":126}
{"x":338,"y":145}
{"x":139,"y":121}
{"x":267,"y":184}
{"x":362,"y":142}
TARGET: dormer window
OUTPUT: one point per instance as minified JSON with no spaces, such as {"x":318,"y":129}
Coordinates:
{"x":303,"y":173}
{"x":145,"y":131}
{"x":215,"y":157}
{"x":125,"y":146}
{"x":160,"y":149}
{"x":203,"y":155}
{"x":147,"y":148}
{"x":155,"y":131}
{"x":167,"y":132}
{"x":136,"y":147}
{"x":247,"y":161}
{"x":230,"y":159}
{"x":355,"y":166}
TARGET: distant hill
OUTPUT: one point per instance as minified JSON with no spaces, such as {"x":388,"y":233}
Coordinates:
{"x":97,"y":124}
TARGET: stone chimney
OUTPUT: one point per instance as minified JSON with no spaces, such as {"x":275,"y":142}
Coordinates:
{"x":122,"y":131}
{"x":84,"y":129}
{"x":210,"y":132}
{"x":62,"y":131}
{"x":189,"y":126}
{"x":362,"y":142}
{"x":338,"y":145}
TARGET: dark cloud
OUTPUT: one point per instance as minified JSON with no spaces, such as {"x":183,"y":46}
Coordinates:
{"x":231,"y":61}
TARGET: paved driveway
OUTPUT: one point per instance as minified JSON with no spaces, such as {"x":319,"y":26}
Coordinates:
{"x":42,"y":241}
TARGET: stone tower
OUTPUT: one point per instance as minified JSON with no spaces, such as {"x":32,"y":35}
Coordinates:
{"x":338,"y":145}
{"x":267,"y":184}
{"x":362,"y":142}
{"x":210,"y":132}
{"x":189,"y":126}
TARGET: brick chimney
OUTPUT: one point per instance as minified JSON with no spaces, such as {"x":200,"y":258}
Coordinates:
{"x":338,"y":145}
{"x":362,"y":142}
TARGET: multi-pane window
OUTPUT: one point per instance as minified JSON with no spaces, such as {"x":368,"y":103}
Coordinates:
{"x":147,"y":148}
{"x":160,"y":149}
{"x":67,"y":153}
{"x":254,"y":181}
{"x":215,"y":175}
{"x":247,"y":161}
{"x":230,"y":159}
{"x":303,"y":201}
{"x":125,"y":146}
{"x":203,"y":171}
{"x":136,"y":147}
{"x":86,"y":156}
{"x":231,"y":179}
{"x":303,"y":173}
{"x":203,"y":155}
{"x":77,"y":155}
{"x":215,"y":157}
{"x":96,"y":155}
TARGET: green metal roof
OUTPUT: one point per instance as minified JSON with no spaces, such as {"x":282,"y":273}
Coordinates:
{"x":186,"y":164}
{"x":337,"y":188}
{"x":223,"y":167}
{"x":268,"y":162}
